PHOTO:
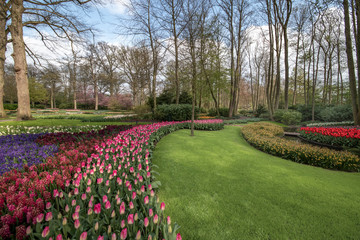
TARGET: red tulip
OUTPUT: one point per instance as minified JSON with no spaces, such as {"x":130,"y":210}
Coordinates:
{"x":97,"y":208}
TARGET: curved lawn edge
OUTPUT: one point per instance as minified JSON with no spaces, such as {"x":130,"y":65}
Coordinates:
{"x":120,"y":173}
{"x":263,"y":136}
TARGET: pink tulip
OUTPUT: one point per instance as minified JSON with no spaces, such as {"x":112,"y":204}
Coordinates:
{"x":162,"y":206}
{"x":76,"y":191}
{"x":90,"y":211}
{"x":67,"y":209}
{"x":113,"y":236}
{"x":77,"y":209}
{"x":73,"y":202}
{"x":123,"y":234}
{"x":152,"y":193}
{"x":83,"y":236}
{"x":77,"y":223}
{"x":150,"y":212}
{"x":91,"y":204}
{"x":138,"y":235}
{"x":122,"y":208}
{"x":59,"y":237}
{"x":142,"y":188}
{"x":149,"y":187}
{"x":107,"y":205}
{"x":99,"y":180}
{"x":105,"y":199}
{"x":131,"y":205}
{"x":89,"y":181}
{"x":148,"y":174}
{"x":96,"y":227}
{"x":156,"y":219}
{"x":64,"y":222}
{"x":146,"y":222}
{"x":83,"y":196}
{"x":97,"y":208}
{"x":136,"y":216}
{"x":56,"y":193}
{"x":168,"y":220}
{"x":131,"y":219}
{"x":100,"y":238}
{"x":39,"y":217}
{"x":28,"y":230}
{"x":178,"y":236}
{"x":75,"y":215}
{"x":48,"y":205}
{"x":45,"y":232}
{"x":48,"y":216}
{"x":122,"y":224}
{"x":146,"y":200}
{"x":134,"y":195}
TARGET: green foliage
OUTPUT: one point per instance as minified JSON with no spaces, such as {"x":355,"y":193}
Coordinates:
{"x":142,"y":109}
{"x":224,"y":112}
{"x":37,"y":91}
{"x":260,"y":110}
{"x":185,"y":98}
{"x":9,"y":106}
{"x":337,"y":113}
{"x":306,"y":111}
{"x":173,"y":112}
{"x":288,"y":117}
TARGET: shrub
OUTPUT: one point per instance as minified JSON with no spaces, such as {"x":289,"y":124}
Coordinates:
{"x":278,"y":115}
{"x":224,"y":112}
{"x":337,"y":113}
{"x":174,"y":112}
{"x":306,"y":111}
{"x":9,"y":106}
{"x":260,"y":110}
{"x":264,"y":137}
{"x":142,"y":109}
{"x":289,"y":117}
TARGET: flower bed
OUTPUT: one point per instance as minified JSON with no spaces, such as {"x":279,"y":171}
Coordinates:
{"x":16,"y":151}
{"x":331,"y":124}
{"x":14,"y":130}
{"x":264,"y":136}
{"x":347,"y":137}
{"x":109,"y":193}
{"x":23,"y":194}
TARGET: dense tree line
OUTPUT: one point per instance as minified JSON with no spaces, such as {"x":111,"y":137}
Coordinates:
{"x":238,"y":54}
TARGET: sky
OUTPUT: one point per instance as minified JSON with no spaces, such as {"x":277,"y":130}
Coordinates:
{"x":103,"y":18}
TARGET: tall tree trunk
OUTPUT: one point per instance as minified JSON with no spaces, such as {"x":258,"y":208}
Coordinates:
{"x":357,"y":42}
{"x":296,"y":69}
{"x":351,"y":68}
{"x":20,"y":65}
{"x":3,"y":40}
{"x":286,"y":52}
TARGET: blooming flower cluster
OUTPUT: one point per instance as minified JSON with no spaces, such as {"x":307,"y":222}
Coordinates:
{"x":348,"y":137}
{"x":96,"y":188}
{"x":14,"y":130}
{"x":23,"y":194}
{"x":330,"y":124}
{"x":265,"y":137}
{"x":19,"y":150}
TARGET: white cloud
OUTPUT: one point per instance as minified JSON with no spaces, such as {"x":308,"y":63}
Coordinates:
{"x":117,"y":6}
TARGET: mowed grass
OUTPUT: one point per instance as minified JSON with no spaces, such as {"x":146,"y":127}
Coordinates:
{"x":62,"y":122}
{"x":216,"y":186}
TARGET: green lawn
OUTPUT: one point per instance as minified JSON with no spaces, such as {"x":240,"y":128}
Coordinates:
{"x":62,"y":122}
{"x":216,"y":186}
